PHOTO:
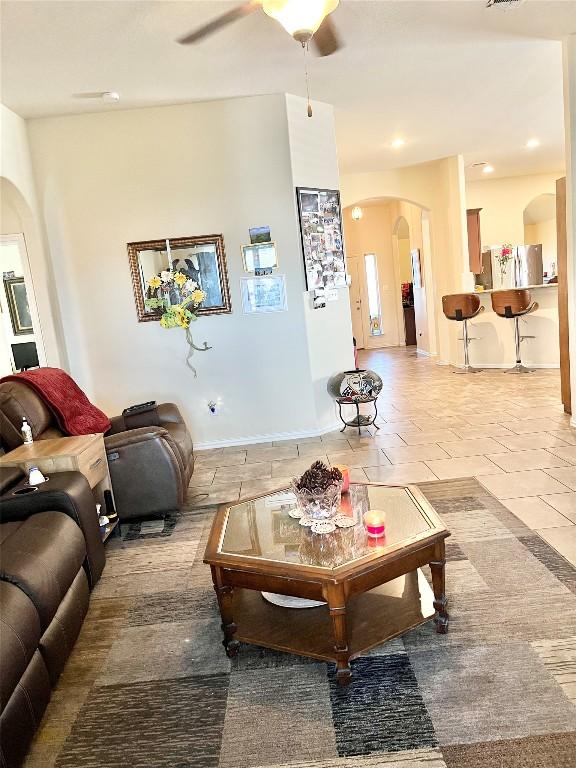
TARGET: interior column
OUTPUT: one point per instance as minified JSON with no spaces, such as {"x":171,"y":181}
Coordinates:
{"x":569,"y":67}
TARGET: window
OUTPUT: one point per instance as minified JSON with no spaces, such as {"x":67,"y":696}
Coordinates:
{"x":373,"y":294}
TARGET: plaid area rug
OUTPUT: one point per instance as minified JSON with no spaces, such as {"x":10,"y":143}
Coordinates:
{"x":149,"y":686}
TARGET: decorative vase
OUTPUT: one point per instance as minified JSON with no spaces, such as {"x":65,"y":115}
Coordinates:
{"x":355,"y":385}
{"x":318,"y":504}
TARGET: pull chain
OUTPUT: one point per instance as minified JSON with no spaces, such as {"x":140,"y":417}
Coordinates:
{"x":305,"y":47}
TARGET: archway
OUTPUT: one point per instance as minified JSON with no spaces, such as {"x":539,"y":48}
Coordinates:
{"x":22,"y":341}
{"x":388,"y":226}
{"x":401,"y":249}
{"x":540,"y":231}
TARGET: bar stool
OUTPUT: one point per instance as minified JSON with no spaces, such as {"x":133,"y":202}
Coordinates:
{"x":463,"y":307}
{"x":512,"y":304}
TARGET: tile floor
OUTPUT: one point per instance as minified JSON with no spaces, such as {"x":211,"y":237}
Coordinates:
{"x":509,"y":432}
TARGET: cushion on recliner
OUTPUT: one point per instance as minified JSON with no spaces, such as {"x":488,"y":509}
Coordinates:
{"x":19,"y":637}
{"x":42,"y":557}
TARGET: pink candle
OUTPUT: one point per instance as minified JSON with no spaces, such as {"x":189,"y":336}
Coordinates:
{"x":345,"y":472}
{"x":375,"y":523}
{"x":346,"y":506}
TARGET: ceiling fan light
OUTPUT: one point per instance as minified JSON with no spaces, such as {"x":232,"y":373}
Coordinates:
{"x":300,"y":18}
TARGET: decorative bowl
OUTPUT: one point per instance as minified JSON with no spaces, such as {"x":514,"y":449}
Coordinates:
{"x":318,"y":504}
{"x":355,"y":385}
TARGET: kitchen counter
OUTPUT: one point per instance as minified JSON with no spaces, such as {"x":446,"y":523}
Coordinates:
{"x":528,"y":287}
{"x":494,"y":343}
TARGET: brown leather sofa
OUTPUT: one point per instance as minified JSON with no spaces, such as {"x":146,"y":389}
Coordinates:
{"x":150,"y":454}
{"x":51,"y":555}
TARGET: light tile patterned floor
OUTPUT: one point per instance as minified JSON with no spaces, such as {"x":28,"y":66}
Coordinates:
{"x":509,"y":432}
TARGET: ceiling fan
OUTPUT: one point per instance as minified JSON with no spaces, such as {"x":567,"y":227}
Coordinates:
{"x":305,"y":20}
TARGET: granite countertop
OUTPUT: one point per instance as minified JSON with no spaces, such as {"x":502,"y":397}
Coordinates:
{"x":527,"y":287}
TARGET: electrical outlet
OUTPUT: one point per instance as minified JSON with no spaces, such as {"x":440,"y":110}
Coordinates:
{"x":215,"y":406}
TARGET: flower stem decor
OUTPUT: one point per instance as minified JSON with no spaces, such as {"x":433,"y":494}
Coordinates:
{"x":503,"y":257}
{"x":178,"y":297}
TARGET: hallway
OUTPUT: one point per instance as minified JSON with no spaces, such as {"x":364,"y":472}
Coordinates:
{"x":509,"y":432}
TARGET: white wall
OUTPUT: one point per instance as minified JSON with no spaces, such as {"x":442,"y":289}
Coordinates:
{"x":20,"y":214}
{"x":221,"y":167}
{"x":314,"y":163}
{"x":503,"y":202}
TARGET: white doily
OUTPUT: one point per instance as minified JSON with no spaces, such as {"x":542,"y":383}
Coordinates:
{"x":323,"y":526}
{"x":343,"y":521}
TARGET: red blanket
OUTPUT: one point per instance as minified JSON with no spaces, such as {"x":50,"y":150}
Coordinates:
{"x":74,"y":413}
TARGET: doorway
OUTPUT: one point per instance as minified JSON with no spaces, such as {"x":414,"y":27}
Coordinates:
{"x":365,"y":300}
{"x":21,"y":344}
{"x":406,"y":277}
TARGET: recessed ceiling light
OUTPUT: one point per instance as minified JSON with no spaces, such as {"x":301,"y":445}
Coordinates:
{"x":532,"y":143}
{"x":488,"y":169}
{"x":397,"y":143}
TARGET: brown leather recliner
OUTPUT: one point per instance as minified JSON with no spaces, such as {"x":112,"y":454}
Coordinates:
{"x":51,"y":555}
{"x":150,"y":454}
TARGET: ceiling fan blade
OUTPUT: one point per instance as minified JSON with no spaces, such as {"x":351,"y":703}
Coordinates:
{"x":325,"y":39}
{"x":221,"y":21}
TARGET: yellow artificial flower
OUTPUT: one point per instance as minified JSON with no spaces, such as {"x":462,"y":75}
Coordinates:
{"x":180,"y":279}
{"x":155,"y":282}
{"x":198,"y":296}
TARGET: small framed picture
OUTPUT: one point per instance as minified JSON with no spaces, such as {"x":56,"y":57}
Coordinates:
{"x":259,"y":256}
{"x":259,"y":235}
{"x":264,"y":294}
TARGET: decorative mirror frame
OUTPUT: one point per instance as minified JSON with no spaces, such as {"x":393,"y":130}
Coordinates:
{"x":175,"y":243}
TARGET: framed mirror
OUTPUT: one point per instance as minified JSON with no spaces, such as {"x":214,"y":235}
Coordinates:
{"x":201,"y":259}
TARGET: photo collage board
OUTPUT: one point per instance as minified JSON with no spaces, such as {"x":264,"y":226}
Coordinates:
{"x":322,"y":240}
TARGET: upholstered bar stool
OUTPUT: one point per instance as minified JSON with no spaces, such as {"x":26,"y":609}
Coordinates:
{"x":513,"y":304}
{"x":463,"y":307}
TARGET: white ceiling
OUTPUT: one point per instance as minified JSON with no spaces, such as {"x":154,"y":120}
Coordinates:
{"x":451,"y":77}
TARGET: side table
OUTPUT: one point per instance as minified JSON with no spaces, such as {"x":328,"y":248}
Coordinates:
{"x":361,"y":419}
{"x":84,"y":453}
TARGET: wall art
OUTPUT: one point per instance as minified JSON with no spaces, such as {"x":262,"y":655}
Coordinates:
{"x":322,"y":241}
{"x":264,"y":294}
{"x":17,"y":297}
{"x":259,"y":256}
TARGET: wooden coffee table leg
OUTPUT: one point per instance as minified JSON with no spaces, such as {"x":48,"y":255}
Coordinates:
{"x":337,"y":606}
{"x":224,"y":593}
{"x":437,"y":567}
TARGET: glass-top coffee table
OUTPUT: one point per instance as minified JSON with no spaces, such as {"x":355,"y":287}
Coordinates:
{"x":370,"y":590}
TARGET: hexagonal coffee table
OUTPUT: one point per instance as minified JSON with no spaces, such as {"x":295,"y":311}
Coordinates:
{"x":371,"y":590}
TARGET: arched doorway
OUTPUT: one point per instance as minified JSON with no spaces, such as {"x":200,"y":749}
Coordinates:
{"x":21,"y":338}
{"x":540,"y":233}
{"x":380,"y":229}
{"x":402,"y":253}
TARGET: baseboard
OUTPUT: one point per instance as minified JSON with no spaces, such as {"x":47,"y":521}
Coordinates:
{"x":267,"y":438}
{"x":506,"y":366}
